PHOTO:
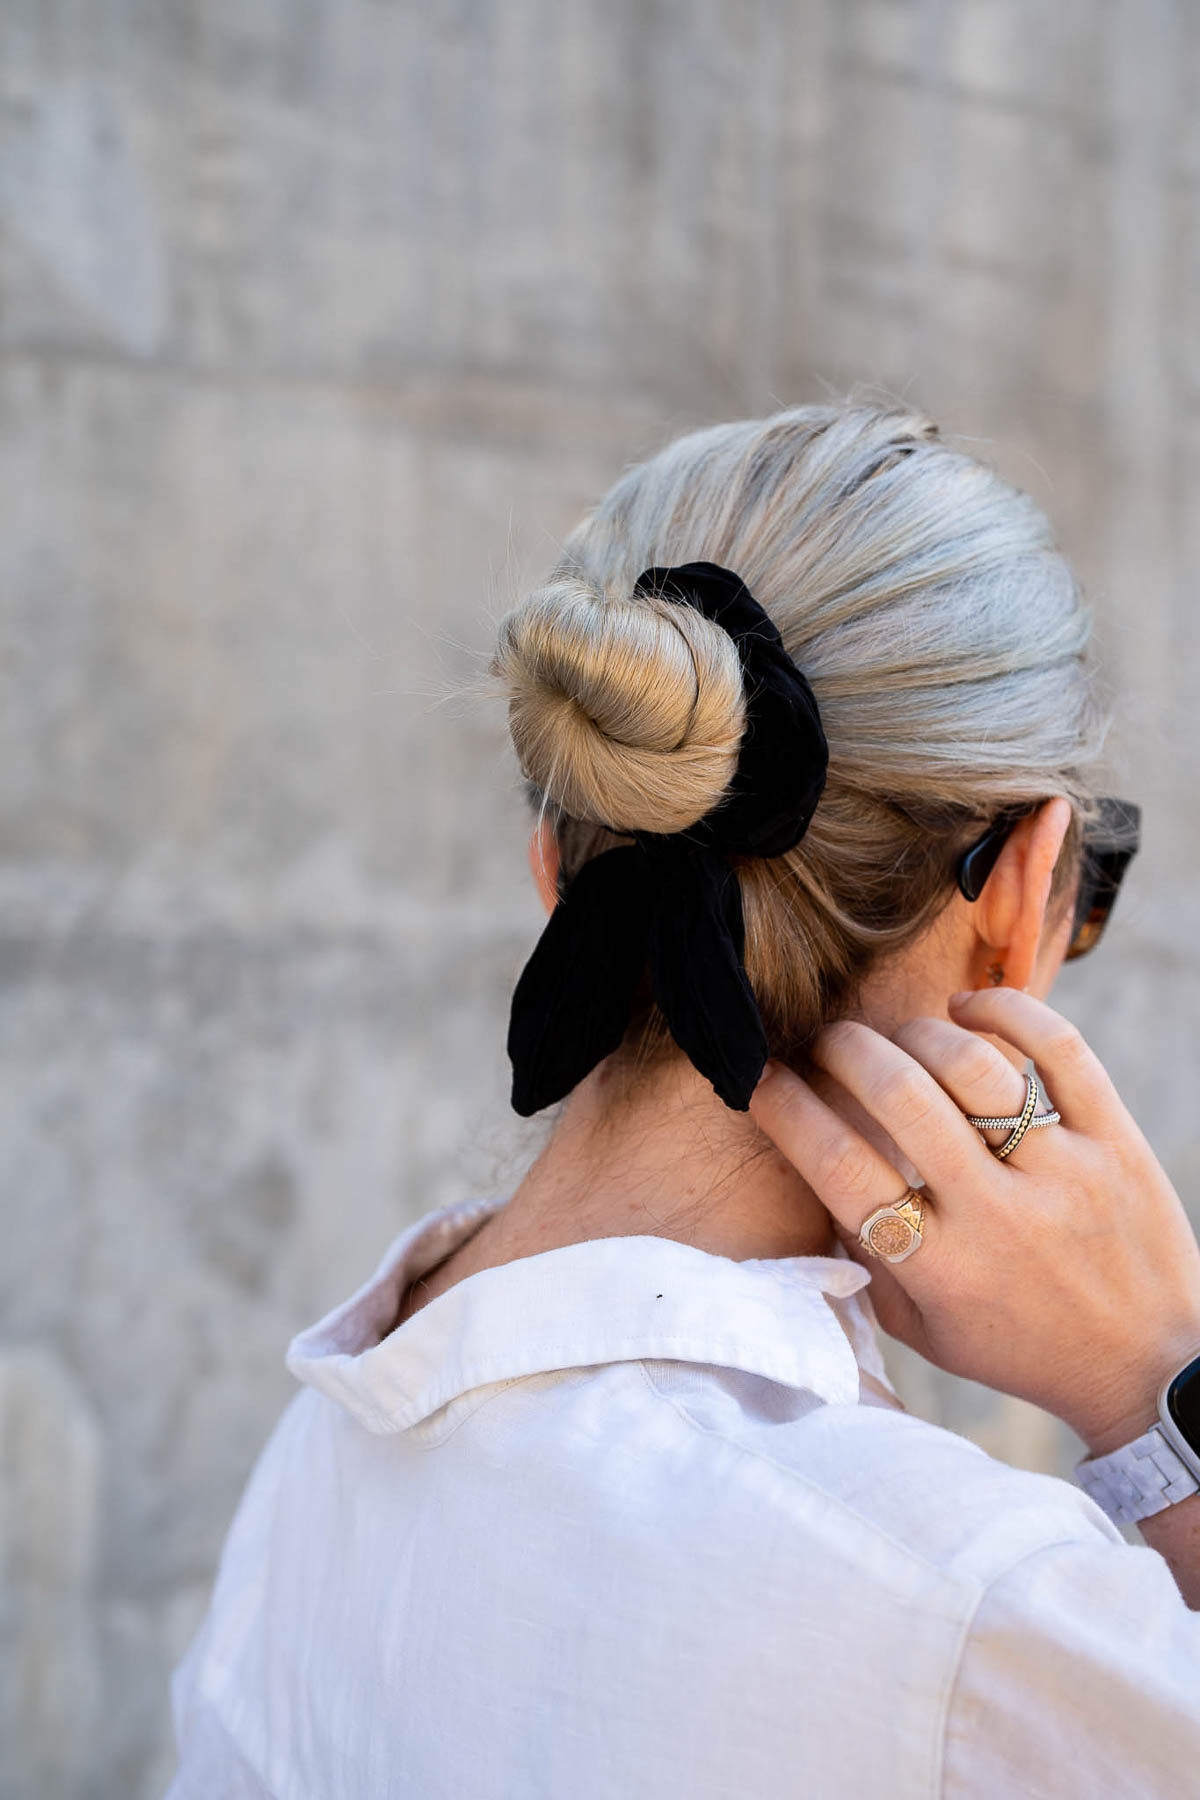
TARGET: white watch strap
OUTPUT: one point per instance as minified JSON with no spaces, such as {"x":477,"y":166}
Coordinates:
{"x":1137,"y":1480}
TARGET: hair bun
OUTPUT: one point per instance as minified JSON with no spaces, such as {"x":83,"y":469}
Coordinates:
{"x":625,"y":712}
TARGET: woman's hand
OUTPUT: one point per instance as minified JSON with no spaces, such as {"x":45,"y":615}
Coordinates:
{"x":1068,"y":1274}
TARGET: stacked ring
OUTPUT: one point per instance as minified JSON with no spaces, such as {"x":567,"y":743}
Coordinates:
{"x":1028,"y":1119}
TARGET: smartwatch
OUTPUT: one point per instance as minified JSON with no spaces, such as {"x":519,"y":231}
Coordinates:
{"x":1158,"y":1468}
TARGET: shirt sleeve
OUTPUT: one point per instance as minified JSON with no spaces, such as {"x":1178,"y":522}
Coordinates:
{"x":1079,"y":1675}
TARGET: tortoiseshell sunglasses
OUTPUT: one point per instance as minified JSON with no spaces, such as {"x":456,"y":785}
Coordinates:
{"x":1110,"y":843}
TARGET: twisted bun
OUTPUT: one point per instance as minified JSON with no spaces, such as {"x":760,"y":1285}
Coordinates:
{"x":624,"y":712}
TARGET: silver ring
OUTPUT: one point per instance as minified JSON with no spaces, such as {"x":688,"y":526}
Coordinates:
{"x":1028,"y":1119}
{"x":1012,"y":1120}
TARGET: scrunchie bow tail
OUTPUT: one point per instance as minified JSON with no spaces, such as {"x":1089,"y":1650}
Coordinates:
{"x":671,"y":902}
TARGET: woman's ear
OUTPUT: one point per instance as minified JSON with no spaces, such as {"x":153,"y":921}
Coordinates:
{"x":1010,"y":914}
{"x":543,"y":862}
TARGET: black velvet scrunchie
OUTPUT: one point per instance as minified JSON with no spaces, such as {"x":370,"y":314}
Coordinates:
{"x":671,"y":899}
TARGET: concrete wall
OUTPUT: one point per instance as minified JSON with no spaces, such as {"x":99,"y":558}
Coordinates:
{"x":320,"y":320}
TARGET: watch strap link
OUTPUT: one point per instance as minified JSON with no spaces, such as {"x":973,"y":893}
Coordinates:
{"x":1139,"y":1479}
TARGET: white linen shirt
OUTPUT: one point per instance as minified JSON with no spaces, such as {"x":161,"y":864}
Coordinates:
{"x":626,"y":1520}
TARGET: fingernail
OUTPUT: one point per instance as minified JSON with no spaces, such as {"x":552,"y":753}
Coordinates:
{"x":960,"y":999}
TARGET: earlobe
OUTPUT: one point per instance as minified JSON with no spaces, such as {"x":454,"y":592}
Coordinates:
{"x":543,"y":862}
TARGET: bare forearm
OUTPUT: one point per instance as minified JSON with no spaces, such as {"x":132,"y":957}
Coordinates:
{"x":1175,"y":1534}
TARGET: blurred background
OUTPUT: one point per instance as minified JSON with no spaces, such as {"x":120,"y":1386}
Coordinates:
{"x":320,"y":322}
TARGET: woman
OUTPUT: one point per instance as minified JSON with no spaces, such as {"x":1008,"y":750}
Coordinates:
{"x":601,"y":1488}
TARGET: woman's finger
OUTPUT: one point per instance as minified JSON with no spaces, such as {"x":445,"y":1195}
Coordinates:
{"x":851,"y":1178}
{"x":914,"y":1109}
{"x":1075,"y":1078}
{"x":978,"y":1077}
{"x":847,"y":1174}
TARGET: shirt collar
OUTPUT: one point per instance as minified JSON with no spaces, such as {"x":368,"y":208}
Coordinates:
{"x":605,"y":1300}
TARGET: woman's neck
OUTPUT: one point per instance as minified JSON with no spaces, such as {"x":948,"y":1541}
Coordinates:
{"x":670,"y":1160}
{"x":663,"y":1156}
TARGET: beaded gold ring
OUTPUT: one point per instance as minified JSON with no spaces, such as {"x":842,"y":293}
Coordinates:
{"x":1028,"y":1119}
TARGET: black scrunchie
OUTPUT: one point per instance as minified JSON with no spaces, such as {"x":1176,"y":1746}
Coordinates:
{"x":671,"y":899}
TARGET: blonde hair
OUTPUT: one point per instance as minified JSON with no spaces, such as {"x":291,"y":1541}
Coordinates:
{"x":943,"y":635}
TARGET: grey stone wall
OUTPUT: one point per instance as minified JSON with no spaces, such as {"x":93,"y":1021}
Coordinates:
{"x":320,"y":321}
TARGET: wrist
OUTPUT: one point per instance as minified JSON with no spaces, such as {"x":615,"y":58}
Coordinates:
{"x":1118,"y":1429}
{"x":1125,"y":1413}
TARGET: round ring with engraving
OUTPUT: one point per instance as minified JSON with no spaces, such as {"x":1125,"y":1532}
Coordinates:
{"x":893,"y":1232}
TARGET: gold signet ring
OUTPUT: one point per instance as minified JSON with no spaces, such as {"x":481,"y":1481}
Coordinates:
{"x":893,"y":1232}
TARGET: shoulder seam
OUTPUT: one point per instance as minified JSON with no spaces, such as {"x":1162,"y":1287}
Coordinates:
{"x":951,"y":1688}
